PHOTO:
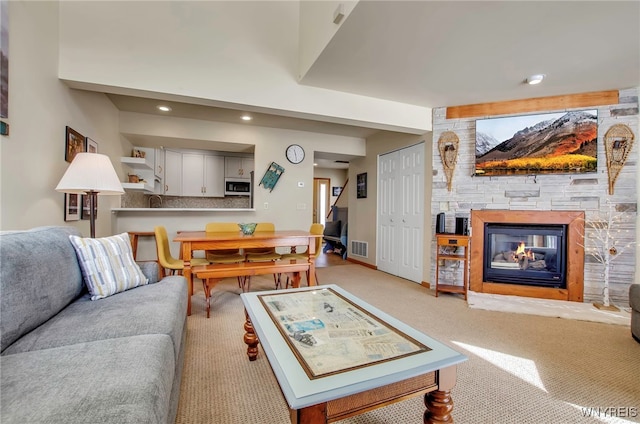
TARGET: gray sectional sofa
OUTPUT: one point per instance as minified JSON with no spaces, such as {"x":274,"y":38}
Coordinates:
{"x":67,"y":359}
{"x":634,"y":302}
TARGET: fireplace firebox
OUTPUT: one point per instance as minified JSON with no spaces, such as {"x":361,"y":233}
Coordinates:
{"x":567,"y":244}
{"x":529,"y":254}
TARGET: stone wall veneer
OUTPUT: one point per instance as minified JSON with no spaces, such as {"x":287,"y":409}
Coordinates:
{"x":582,"y":192}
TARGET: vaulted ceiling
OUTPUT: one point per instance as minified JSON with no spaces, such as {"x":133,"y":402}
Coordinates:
{"x":447,"y":53}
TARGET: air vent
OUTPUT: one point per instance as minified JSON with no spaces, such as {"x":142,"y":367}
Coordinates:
{"x":360,"y":248}
{"x":341,"y":161}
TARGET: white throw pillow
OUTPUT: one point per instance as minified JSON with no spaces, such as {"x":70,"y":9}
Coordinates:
{"x":107,"y":265}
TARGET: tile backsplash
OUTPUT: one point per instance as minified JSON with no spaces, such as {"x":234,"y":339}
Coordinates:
{"x":141,"y":200}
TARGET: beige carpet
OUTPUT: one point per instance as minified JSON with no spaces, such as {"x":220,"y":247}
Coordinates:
{"x":521,"y":368}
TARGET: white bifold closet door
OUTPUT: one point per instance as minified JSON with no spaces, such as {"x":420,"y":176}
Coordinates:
{"x":401,"y":212}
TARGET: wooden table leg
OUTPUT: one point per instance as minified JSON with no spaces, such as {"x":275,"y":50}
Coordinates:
{"x":439,"y":406}
{"x":250,"y":338}
{"x":186,"y":272}
{"x":295,"y":279}
{"x":315,"y":414}
{"x":311,"y":280}
{"x":439,"y":402}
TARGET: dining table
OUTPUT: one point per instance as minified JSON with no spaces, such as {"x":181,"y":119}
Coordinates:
{"x":191,"y":241}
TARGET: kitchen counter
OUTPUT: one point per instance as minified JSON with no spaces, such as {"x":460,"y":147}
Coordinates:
{"x":157,"y":210}
{"x":174,"y":220}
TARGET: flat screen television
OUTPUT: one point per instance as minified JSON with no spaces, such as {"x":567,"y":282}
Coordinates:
{"x":549,"y":143}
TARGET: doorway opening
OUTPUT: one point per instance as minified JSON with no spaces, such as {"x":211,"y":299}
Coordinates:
{"x":321,"y":200}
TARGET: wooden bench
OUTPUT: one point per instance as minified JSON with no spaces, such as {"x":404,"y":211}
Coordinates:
{"x":212,"y":274}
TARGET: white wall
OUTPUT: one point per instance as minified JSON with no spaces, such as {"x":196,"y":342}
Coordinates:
{"x":40,"y":107}
{"x":238,"y":54}
{"x":317,"y":28}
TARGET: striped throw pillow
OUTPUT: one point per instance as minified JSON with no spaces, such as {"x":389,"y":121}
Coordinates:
{"x":107,"y":265}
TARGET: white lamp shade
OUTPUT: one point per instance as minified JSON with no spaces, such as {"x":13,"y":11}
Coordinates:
{"x":90,"y":172}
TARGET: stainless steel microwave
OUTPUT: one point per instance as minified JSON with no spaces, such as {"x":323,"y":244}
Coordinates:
{"x":237,"y":186}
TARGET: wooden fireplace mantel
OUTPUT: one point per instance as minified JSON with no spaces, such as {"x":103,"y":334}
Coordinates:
{"x":575,"y":252}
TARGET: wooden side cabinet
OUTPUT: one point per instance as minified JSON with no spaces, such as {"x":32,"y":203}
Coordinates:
{"x":453,"y":247}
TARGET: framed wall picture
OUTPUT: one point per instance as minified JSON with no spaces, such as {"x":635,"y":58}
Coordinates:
{"x":84,"y":213}
{"x":361,"y":186}
{"x":74,"y":144}
{"x":71,"y":209}
{"x":335,"y":191}
{"x":91,"y":146}
{"x":271,"y":176}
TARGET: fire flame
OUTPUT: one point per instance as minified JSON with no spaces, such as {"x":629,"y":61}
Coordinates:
{"x":522,"y":251}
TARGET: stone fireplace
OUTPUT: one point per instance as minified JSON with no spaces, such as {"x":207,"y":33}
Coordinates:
{"x":528,"y":253}
{"x":589,"y":193}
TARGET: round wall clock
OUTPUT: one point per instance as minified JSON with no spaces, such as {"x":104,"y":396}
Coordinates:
{"x":295,"y":153}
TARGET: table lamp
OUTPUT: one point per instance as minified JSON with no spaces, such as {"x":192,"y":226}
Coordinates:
{"x":91,"y":174}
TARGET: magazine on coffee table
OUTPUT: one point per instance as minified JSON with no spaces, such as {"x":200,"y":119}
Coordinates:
{"x":329,"y":334}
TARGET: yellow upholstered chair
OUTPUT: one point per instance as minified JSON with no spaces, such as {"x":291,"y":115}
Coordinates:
{"x":224,"y":256}
{"x":315,"y":229}
{"x":263,"y":254}
{"x":165,"y":259}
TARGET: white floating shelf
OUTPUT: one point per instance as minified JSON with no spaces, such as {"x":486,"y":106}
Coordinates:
{"x":146,"y":187}
{"x":142,"y":164}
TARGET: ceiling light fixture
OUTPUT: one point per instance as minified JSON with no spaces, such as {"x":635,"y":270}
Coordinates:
{"x":246,"y":118}
{"x":164,"y":108}
{"x":535,"y":79}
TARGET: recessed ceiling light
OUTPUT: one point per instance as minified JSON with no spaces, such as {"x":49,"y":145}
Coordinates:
{"x":535,"y":79}
{"x":246,"y":118}
{"x":164,"y":108}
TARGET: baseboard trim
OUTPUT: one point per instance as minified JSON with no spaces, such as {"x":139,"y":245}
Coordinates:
{"x":355,"y":261}
{"x":425,"y":285}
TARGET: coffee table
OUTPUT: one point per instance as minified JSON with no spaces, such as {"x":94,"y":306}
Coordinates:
{"x":335,"y":356}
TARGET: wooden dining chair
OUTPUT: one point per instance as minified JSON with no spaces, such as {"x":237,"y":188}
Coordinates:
{"x":315,"y":229}
{"x":165,"y":259}
{"x":263,"y":254}
{"x":225,"y":256}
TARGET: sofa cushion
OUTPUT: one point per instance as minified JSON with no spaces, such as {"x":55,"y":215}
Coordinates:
{"x":332,"y":229}
{"x":124,"y":380}
{"x":39,"y":276}
{"x":634,"y":297}
{"x":159,"y":308}
{"x":107,"y":265}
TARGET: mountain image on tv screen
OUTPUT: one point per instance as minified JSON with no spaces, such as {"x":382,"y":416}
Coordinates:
{"x":549,"y":143}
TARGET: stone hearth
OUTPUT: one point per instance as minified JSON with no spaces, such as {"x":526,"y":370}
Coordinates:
{"x":574,"y":220}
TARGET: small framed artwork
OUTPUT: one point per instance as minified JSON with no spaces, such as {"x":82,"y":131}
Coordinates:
{"x":361,"y":186}
{"x":84,"y":214}
{"x":91,"y":146}
{"x":335,"y":191}
{"x":71,"y":210}
{"x":74,"y":144}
